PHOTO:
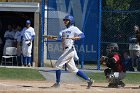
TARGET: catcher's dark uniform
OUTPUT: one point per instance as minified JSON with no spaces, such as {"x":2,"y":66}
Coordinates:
{"x":115,"y":71}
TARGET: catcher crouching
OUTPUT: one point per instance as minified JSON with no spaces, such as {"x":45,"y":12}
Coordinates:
{"x":115,"y":71}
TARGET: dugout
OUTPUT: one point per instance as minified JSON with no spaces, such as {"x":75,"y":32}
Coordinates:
{"x":17,"y":13}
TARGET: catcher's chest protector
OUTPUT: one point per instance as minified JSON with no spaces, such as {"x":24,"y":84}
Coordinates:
{"x":116,"y":62}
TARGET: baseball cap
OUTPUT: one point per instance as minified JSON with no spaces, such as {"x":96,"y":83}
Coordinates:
{"x":28,"y":22}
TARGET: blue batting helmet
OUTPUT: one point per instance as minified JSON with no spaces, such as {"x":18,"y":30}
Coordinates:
{"x":28,"y":22}
{"x":70,"y":18}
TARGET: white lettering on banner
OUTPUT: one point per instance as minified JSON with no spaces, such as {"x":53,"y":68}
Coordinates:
{"x":87,"y":49}
{"x":74,"y":6}
{"x":90,"y":49}
{"x":55,"y":48}
{"x":81,"y":48}
{"x":50,"y":47}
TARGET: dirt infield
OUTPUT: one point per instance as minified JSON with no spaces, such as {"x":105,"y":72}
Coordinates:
{"x":12,"y":86}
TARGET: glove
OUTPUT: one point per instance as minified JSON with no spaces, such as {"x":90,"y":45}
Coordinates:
{"x":29,"y":44}
{"x":104,"y":60}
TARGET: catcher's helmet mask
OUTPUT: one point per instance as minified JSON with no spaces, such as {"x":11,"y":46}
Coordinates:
{"x":112,"y":47}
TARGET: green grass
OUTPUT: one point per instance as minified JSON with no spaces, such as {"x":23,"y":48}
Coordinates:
{"x":131,"y":78}
{"x":20,"y":74}
{"x":98,"y":77}
{"x":33,"y":74}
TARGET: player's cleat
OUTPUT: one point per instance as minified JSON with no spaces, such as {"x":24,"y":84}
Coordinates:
{"x":121,"y":84}
{"x":110,"y":85}
{"x":113,"y":85}
{"x":90,"y":82}
{"x":29,"y":65}
{"x":116,"y":85}
{"x":56,"y":85}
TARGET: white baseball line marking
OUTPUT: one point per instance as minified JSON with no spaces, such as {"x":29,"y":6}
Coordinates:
{"x":5,"y":84}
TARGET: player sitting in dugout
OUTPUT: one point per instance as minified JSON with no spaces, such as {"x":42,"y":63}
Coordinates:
{"x":115,"y":71}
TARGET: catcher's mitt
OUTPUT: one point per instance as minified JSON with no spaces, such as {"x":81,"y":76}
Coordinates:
{"x":103,"y":60}
{"x":50,"y":36}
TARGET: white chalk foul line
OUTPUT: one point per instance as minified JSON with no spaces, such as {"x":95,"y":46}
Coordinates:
{"x":100,"y":90}
{"x":5,"y":84}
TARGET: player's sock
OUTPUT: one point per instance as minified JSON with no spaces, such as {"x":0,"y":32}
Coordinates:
{"x":83,"y":75}
{"x":25,"y":60}
{"x":58,"y":74}
{"x":21,"y":59}
{"x":29,"y":60}
{"x":18,"y":59}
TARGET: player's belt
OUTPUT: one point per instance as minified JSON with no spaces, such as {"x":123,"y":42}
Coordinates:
{"x":68,"y":47}
{"x":28,"y":40}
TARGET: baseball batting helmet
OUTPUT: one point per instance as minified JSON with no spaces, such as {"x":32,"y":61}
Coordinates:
{"x":28,"y":22}
{"x":70,"y":18}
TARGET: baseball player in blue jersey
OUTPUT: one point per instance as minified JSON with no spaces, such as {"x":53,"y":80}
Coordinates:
{"x":69,"y":35}
{"x":27,"y":36}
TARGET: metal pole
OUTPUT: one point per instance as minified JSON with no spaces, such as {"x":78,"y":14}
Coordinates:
{"x":42,"y":33}
{"x":99,"y":33}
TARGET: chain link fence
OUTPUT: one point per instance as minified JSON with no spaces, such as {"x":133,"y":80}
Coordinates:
{"x":118,"y":19}
{"x":118,"y":22}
